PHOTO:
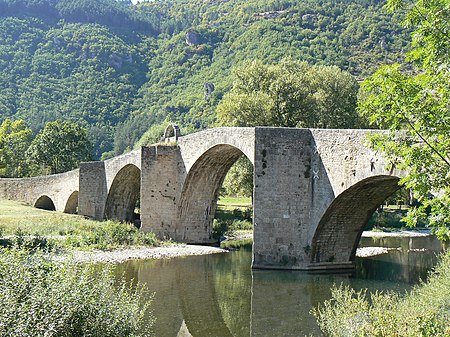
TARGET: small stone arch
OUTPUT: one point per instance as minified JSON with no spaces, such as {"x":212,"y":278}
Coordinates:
{"x":44,"y":202}
{"x":124,"y":194}
{"x":171,"y":133}
{"x":72,"y":203}
{"x":337,"y":235}
{"x":201,"y":190}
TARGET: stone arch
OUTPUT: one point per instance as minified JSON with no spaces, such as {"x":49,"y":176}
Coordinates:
{"x":172,"y":132}
{"x":123,"y":194}
{"x":44,"y":202}
{"x":201,"y":190}
{"x":340,"y":228}
{"x":72,"y":203}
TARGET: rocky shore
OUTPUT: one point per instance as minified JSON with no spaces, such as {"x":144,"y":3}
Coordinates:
{"x":177,"y":250}
{"x":124,"y":254}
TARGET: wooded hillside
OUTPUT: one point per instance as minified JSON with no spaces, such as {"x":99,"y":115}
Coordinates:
{"x":117,"y":68}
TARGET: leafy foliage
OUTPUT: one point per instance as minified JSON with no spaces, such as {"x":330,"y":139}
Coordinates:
{"x":43,"y":298}
{"x":239,"y":179}
{"x":15,"y":138}
{"x":117,"y":69}
{"x":425,"y":311}
{"x":290,"y":94}
{"x":59,"y":147}
{"x":415,"y":109}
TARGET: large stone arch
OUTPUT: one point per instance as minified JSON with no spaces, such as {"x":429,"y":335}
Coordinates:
{"x":44,"y":202}
{"x":123,"y":194}
{"x":201,"y":190}
{"x":72,"y":203}
{"x":193,"y":146}
{"x":340,"y":228}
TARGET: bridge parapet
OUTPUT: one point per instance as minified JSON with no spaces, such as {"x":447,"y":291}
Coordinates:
{"x":57,"y":187}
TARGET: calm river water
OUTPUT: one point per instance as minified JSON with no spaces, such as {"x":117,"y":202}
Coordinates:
{"x":219,"y":295}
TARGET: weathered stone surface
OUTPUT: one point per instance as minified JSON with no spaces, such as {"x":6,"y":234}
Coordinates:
{"x":314,"y":190}
{"x":57,"y":187}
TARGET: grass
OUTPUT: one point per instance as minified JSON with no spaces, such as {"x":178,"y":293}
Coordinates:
{"x":26,"y":226}
{"x":425,"y":311}
{"x":234,"y":202}
{"x":232,"y":214}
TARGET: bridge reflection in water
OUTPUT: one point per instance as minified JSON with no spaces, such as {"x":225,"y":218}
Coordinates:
{"x":220,"y":295}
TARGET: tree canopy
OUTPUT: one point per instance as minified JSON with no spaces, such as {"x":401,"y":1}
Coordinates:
{"x":290,"y":94}
{"x":413,"y":104}
{"x":117,"y":68}
{"x":59,"y":147}
{"x":15,"y":138}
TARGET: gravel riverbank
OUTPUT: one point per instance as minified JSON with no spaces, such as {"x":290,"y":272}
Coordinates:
{"x":124,"y":254}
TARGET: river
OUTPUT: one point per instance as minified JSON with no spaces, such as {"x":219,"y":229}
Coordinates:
{"x":220,"y":295}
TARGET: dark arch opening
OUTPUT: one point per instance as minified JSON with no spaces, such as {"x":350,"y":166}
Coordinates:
{"x":339,"y":231}
{"x":124,"y":195}
{"x":201,"y":191}
{"x":72,"y":203}
{"x":44,"y":202}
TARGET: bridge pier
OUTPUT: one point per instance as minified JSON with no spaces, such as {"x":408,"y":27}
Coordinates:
{"x":93,"y":190}
{"x":283,"y":198}
{"x":161,"y":184}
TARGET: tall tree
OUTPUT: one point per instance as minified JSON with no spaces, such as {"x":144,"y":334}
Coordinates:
{"x":59,"y":147}
{"x":15,"y":138}
{"x":290,"y":94}
{"x":414,"y":107}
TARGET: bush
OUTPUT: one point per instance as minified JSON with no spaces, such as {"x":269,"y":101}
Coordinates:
{"x":109,"y":234}
{"x":425,"y":311}
{"x":229,"y":226}
{"x":43,"y":298}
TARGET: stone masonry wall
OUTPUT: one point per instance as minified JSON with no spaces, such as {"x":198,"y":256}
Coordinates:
{"x":161,"y":183}
{"x":282,"y":197}
{"x":93,"y":190}
{"x":58,"y":187}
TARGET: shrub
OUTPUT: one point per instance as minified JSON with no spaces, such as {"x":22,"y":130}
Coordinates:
{"x":229,"y":226}
{"x":44,"y":298}
{"x":109,"y":234}
{"x":425,"y":311}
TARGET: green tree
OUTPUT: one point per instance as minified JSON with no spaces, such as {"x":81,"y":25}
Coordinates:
{"x":59,"y":147}
{"x":290,"y":94}
{"x":15,"y":138}
{"x":414,"y":107}
{"x":239,"y":179}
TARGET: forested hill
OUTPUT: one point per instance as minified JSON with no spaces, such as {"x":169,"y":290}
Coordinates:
{"x":119,"y":68}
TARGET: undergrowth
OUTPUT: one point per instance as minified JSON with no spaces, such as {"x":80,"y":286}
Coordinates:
{"x":99,"y":235}
{"x":39,"y":297}
{"x":425,"y":311}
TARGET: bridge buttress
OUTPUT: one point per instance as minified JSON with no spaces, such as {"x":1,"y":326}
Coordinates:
{"x":162,"y":179}
{"x":93,"y":190}
{"x":282,"y":198}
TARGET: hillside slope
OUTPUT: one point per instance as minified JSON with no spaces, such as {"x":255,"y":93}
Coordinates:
{"x":118,"y":68}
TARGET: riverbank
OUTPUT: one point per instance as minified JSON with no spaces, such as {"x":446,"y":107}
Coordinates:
{"x":180,"y":250}
{"x":124,"y":254}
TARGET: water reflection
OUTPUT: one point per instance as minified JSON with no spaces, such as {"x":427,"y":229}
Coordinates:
{"x":219,"y":295}
{"x":408,"y":259}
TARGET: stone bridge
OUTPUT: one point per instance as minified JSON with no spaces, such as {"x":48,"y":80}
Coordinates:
{"x":314,"y":190}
